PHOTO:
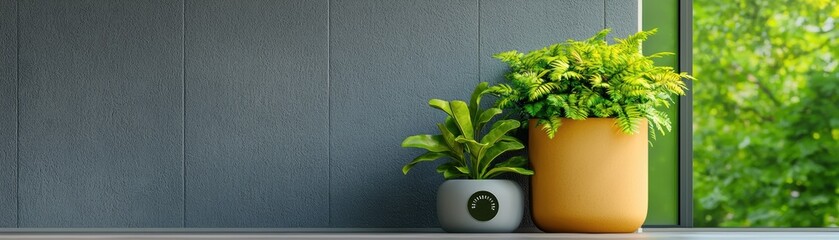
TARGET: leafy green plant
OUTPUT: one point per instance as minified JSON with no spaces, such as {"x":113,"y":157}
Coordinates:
{"x":766,"y":118}
{"x":470,"y":153}
{"x":591,"y":78}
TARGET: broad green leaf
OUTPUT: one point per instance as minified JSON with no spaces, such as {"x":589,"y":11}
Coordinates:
{"x":425,"y":157}
{"x":517,"y":161}
{"x":497,"y":149}
{"x":433,"y":143}
{"x":443,"y":167}
{"x":499,"y":129}
{"x":453,"y":174}
{"x":501,"y":147}
{"x":455,"y":147}
{"x":508,"y":138}
{"x":461,"y":116}
{"x":487,"y":115}
{"x":440,"y":104}
{"x":494,"y":172}
{"x":474,"y":146}
{"x":451,"y":125}
{"x":462,"y":169}
{"x":449,"y":171}
{"x":475,"y":100}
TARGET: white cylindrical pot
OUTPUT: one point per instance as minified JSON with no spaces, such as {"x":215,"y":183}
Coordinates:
{"x":487,"y":205}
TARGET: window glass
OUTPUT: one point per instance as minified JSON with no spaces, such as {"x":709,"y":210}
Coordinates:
{"x":766,"y":113}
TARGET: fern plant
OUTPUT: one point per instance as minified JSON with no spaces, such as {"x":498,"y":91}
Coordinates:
{"x":591,"y":78}
{"x":470,"y":154}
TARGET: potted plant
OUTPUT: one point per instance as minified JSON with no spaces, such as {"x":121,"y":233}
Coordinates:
{"x":470,"y":200}
{"x":588,"y":106}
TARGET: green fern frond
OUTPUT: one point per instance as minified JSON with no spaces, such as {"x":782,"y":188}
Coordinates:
{"x":533,"y":109}
{"x":625,"y":125}
{"x":658,"y":120}
{"x":595,"y":79}
{"x":576,"y":56}
{"x":571,"y":75}
{"x":555,"y":75}
{"x":600,"y":36}
{"x":659,"y":55}
{"x":638,"y":92}
{"x":686,"y":76}
{"x":550,"y":125}
{"x":632,"y":111}
{"x":512,"y":58}
{"x":559,"y":101}
{"x":500,"y":89}
{"x":503,"y":103}
{"x":560,"y":64}
{"x":591,"y":78}
{"x":638,"y":81}
{"x":542,"y":90}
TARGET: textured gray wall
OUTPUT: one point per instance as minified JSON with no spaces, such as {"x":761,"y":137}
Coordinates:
{"x":8,"y":114}
{"x":101,"y":113}
{"x":257,"y":135}
{"x":254,"y":113}
{"x":387,"y":59}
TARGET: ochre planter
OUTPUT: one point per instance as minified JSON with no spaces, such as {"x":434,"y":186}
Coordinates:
{"x":589,"y":178}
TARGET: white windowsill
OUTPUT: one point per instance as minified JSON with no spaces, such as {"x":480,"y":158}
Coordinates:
{"x":265,"y":234}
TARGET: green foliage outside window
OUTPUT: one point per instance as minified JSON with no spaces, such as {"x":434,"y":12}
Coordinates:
{"x":766,"y":115}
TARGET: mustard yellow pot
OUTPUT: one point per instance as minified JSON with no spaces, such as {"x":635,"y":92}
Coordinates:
{"x":590,"y":177}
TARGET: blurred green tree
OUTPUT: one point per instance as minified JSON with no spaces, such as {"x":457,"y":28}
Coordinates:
{"x":766,"y":113}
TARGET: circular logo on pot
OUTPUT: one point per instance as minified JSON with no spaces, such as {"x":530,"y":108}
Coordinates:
{"x":482,"y":205}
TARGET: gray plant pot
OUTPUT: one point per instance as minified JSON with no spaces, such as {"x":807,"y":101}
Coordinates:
{"x":489,"y":205}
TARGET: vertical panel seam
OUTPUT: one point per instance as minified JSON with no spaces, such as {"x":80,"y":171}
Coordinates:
{"x":479,"y":41}
{"x":183,"y":114}
{"x":17,"y":109}
{"x":604,"y":14}
{"x":328,"y":115}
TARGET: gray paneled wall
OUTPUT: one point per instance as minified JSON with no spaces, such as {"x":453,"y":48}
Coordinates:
{"x":8,"y":114}
{"x":387,"y":59}
{"x":101,"y":113}
{"x":257,"y":107}
{"x":246,"y":114}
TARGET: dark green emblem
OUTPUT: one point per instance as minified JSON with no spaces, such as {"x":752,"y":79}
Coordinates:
{"x":482,"y":205}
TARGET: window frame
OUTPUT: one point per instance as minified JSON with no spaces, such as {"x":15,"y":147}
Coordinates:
{"x":686,"y":116}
